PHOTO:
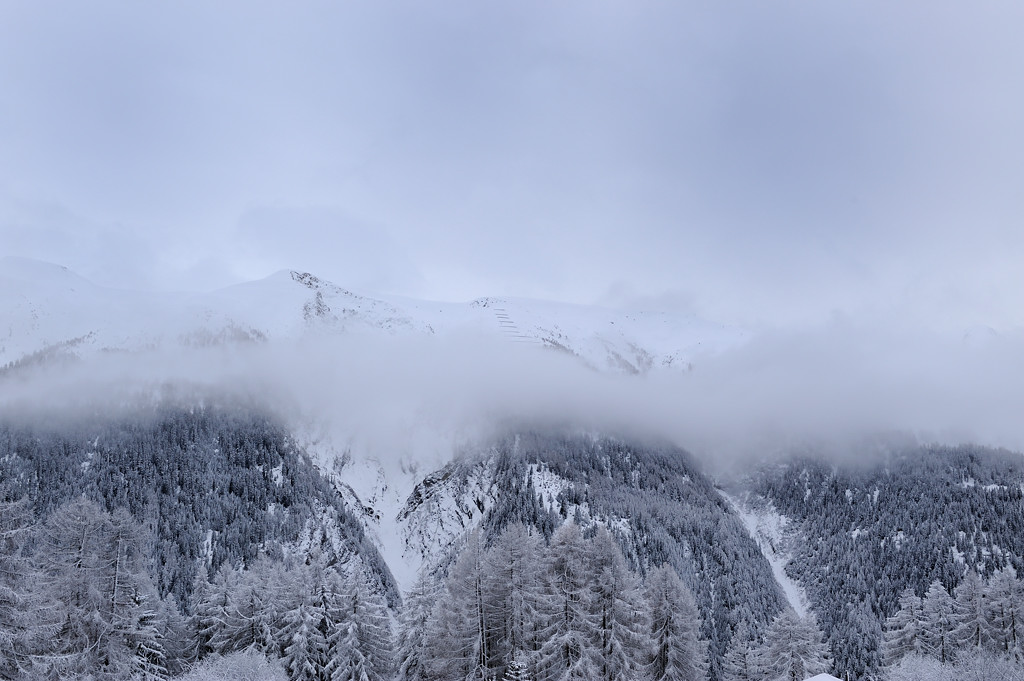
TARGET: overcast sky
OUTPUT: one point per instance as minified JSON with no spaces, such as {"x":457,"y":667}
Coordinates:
{"x":753,"y":161}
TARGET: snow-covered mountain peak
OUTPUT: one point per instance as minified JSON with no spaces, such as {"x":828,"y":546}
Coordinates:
{"x":44,"y":306}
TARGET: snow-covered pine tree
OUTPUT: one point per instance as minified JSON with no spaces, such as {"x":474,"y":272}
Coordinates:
{"x":793,"y":649}
{"x":516,"y":671}
{"x":305,"y":655}
{"x":677,"y":654}
{"x":133,"y":601}
{"x":617,"y":610}
{"x":741,"y":659}
{"x":939,"y":612}
{"x":92,"y":564}
{"x":147,"y":641}
{"x":69,"y":562}
{"x":336,"y":617}
{"x":904,"y":630}
{"x":856,"y":648}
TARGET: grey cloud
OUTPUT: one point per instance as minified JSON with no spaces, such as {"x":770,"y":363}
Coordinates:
{"x":832,"y":386}
{"x":777,"y":162}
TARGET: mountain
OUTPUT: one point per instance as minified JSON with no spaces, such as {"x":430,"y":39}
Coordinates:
{"x":48,"y":309}
{"x":238,"y":513}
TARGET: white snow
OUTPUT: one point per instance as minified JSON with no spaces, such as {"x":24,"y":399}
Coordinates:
{"x":823,"y":677}
{"x":768,"y":528}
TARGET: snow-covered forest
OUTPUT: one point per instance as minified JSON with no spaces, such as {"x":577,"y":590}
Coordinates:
{"x":204,"y":543}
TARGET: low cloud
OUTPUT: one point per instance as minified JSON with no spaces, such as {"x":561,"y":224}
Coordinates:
{"x":420,"y":397}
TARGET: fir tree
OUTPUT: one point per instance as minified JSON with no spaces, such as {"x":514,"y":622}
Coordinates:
{"x":22,"y":613}
{"x":974,"y":629}
{"x":513,"y":593}
{"x":374,"y":640}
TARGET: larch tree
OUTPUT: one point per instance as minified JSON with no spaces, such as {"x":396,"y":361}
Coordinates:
{"x":414,"y":621}
{"x":677,"y":653}
{"x":568,"y":633}
{"x":940,"y":616}
{"x":904,"y":630}
{"x":1006,"y":602}
{"x":617,"y":611}
{"x":793,"y":649}
{"x":741,"y":659}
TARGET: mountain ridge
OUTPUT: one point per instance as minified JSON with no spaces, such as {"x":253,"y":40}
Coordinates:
{"x":47,"y":305}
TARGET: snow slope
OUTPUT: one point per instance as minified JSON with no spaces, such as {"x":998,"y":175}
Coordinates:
{"x":768,"y":528}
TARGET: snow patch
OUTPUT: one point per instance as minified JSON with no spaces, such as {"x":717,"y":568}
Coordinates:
{"x":770,"y":529}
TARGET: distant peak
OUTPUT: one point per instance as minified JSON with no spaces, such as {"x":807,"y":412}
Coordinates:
{"x":306,"y":279}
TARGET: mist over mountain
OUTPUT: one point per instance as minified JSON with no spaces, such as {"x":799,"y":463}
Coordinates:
{"x":374,"y":366}
{"x":289,"y":431}
{"x":511,"y":341}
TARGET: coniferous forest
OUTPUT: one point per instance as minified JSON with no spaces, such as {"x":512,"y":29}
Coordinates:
{"x":202,"y":543}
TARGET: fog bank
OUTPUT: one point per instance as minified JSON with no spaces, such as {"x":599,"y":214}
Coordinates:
{"x":413,"y":396}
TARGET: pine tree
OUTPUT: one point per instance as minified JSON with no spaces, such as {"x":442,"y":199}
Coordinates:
{"x":793,"y":649}
{"x":516,"y":671}
{"x":210,"y":609}
{"x":463,"y":628}
{"x":251,"y":618}
{"x":93,"y":565}
{"x":352,"y":664}
{"x":368,"y":613}
{"x":305,"y":656}
{"x":678,"y":653}
{"x":621,"y":623}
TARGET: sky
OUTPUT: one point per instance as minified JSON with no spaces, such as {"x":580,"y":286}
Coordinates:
{"x":773,"y":163}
